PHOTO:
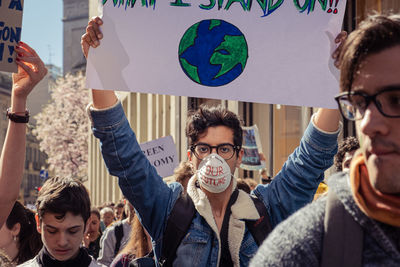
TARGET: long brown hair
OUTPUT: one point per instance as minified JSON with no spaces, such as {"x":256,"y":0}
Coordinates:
{"x":138,"y":243}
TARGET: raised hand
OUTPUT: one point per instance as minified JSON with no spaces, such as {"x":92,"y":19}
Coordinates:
{"x":92,"y":36}
{"x":341,"y":38}
{"x":31,"y":71}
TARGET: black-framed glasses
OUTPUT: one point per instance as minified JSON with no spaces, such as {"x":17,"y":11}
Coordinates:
{"x":226,"y":150}
{"x":353,"y":105}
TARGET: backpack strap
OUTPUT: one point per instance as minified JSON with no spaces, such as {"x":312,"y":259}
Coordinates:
{"x":343,"y":236}
{"x":119,"y":233}
{"x":226,"y":258}
{"x":178,"y":224}
{"x":261,"y":228}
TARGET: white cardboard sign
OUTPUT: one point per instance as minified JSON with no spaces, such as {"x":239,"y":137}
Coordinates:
{"x":268,"y":51}
{"x":10,"y":32}
{"x":162,"y":155}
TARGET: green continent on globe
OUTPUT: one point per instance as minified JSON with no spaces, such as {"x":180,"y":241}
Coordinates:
{"x":237,"y":48}
{"x":214,"y":23}
{"x":191,"y":70}
{"x":188,"y":38}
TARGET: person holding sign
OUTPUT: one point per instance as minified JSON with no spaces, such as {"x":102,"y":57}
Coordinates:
{"x":31,"y":71}
{"x":225,"y":226}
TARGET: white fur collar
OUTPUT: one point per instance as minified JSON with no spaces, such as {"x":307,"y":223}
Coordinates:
{"x":242,"y":209}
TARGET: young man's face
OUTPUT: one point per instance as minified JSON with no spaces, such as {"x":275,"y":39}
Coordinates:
{"x":215,"y":136}
{"x":380,"y":136}
{"x":62,"y":237}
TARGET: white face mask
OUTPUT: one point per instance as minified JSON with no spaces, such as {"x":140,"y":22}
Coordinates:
{"x":214,"y":174}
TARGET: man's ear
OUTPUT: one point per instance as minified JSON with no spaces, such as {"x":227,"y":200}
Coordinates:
{"x":239,"y":159}
{"x":189,"y":154}
{"x":38,"y":228}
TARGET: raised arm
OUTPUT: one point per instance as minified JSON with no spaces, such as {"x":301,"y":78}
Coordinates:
{"x":296,"y":183}
{"x":101,"y":98}
{"x":138,"y":179}
{"x":30,"y":71}
{"x":327,"y":120}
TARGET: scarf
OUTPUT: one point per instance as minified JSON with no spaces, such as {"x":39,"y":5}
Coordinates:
{"x":376,"y":205}
{"x":46,"y":260}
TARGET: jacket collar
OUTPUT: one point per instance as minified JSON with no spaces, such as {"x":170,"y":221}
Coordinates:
{"x":242,"y":209}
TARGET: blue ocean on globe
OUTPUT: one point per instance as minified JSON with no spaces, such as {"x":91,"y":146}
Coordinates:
{"x":213,"y":52}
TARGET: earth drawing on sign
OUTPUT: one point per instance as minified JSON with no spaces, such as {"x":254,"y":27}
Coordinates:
{"x":213,"y":52}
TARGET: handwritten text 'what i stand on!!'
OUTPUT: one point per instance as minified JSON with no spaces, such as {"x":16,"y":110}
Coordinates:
{"x":266,"y":6}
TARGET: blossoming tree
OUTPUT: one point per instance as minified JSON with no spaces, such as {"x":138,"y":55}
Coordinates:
{"x":63,"y":127}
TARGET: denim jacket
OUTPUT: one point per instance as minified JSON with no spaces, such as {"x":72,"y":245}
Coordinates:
{"x":292,"y":188}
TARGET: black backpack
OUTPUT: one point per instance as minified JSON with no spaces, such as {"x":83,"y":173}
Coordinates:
{"x":343,"y":236}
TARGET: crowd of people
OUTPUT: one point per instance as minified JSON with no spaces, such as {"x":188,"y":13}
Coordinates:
{"x":209,"y":217}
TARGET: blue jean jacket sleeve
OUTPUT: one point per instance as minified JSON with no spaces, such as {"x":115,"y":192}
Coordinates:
{"x":295,"y":185}
{"x":138,"y":179}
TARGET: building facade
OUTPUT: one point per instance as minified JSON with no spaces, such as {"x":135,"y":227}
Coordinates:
{"x":5,"y":102}
{"x":152,"y":116}
{"x":36,"y":160}
{"x":75,"y":18}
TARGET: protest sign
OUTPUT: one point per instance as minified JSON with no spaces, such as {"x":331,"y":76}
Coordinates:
{"x":269,"y":51}
{"x":252,"y":149}
{"x":162,"y":155}
{"x":10,"y":32}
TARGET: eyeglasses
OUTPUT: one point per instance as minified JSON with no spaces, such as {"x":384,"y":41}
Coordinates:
{"x":353,"y":105}
{"x":202,"y":150}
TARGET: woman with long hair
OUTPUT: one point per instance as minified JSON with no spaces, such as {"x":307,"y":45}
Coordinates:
{"x":138,"y":246}
{"x":19,"y":238}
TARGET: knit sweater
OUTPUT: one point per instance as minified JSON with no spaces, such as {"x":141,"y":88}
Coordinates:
{"x":298,"y":240}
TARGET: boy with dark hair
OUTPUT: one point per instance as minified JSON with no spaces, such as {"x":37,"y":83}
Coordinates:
{"x":63,"y":208}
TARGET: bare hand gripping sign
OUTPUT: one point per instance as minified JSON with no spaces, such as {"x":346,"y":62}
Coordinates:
{"x":10,"y":32}
{"x":270,"y":51}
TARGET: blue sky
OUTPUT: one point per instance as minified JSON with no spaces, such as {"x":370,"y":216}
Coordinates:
{"x":42,"y":29}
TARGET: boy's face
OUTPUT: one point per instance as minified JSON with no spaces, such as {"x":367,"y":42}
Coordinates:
{"x":62,"y":237}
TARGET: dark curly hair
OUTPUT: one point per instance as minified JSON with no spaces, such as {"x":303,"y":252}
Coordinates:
{"x":203,"y":118}
{"x":375,"y":34}
{"x":348,"y":144}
